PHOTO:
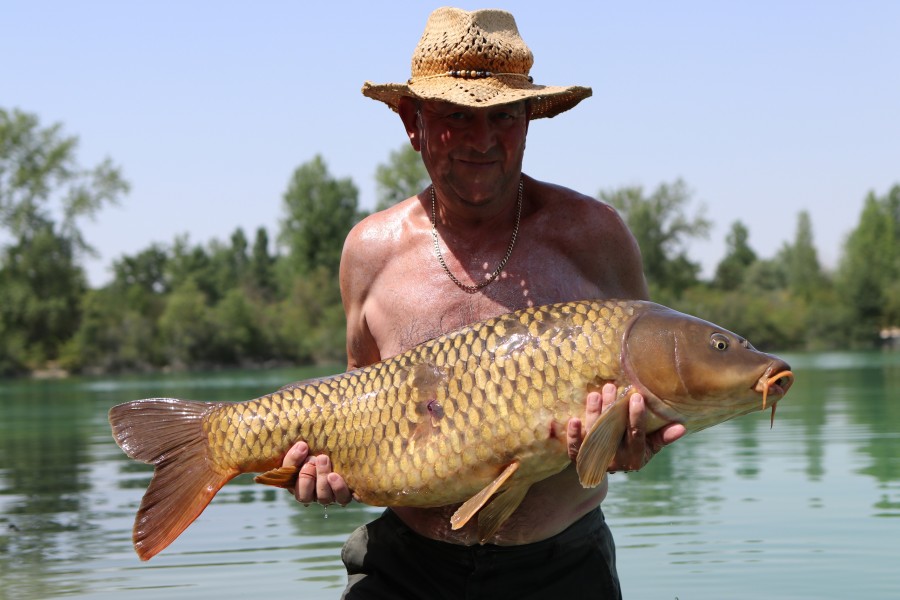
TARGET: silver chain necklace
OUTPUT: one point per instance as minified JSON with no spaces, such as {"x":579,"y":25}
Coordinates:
{"x":471,"y":289}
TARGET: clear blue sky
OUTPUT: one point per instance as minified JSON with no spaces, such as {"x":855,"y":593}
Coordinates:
{"x":764,"y":108}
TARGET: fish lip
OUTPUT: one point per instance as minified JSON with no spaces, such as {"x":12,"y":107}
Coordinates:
{"x":774,"y":387}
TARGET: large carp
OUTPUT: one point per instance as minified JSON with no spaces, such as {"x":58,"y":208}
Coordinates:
{"x":474,"y":416}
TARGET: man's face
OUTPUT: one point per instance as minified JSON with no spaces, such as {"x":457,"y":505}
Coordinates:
{"x":472,"y":153}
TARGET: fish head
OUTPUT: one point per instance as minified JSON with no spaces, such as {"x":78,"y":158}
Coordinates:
{"x":697,"y":373}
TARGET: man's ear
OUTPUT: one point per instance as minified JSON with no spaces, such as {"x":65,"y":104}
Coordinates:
{"x":410,"y":117}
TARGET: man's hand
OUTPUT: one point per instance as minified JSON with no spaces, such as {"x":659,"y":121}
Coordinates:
{"x":637,"y":447}
{"x":316,"y":482}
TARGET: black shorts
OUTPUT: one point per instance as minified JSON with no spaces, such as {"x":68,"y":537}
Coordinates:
{"x":386,"y":560}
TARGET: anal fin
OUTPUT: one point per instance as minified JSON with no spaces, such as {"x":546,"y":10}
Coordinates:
{"x":471,"y":506}
{"x":499,"y":510}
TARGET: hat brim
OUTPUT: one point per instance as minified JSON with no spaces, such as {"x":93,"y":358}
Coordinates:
{"x":546,"y":101}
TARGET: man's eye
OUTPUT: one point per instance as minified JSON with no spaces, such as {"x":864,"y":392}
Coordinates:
{"x":457,"y":116}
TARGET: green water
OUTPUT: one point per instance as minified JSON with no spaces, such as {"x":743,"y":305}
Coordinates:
{"x":808,"y":509}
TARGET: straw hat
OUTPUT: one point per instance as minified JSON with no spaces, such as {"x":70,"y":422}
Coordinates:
{"x":475,"y":59}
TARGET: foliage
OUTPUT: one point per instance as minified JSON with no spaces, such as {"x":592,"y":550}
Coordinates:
{"x":235,"y":302}
{"x":214,"y":304}
{"x":113,"y":336}
{"x":739,"y":256}
{"x":44,"y":195}
{"x":319,"y":213}
{"x":311,"y":319}
{"x":768,"y":320}
{"x":663,"y":229}
{"x":870,"y":268}
{"x":804,"y":274}
{"x":403,"y":176}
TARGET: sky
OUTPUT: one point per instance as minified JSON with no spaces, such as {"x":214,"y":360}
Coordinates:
{"x":764,"y":108}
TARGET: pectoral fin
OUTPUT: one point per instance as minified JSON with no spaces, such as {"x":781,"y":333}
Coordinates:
{"x":600,"y":444}
{"x":471,"y":506}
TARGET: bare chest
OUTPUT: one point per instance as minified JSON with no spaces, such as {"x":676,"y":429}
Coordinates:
{"x":415,"y":300}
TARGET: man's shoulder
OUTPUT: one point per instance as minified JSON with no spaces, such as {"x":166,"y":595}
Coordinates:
{"x":385,"y":226}
{"x":578,"y":210}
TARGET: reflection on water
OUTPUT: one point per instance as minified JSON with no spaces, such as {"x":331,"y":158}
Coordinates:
{"x":808,"y":509}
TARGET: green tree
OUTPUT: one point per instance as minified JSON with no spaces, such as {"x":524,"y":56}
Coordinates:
{"x":738,"y":258}
{"x":40,"y":176}
{"x":870,"y":267}
{"x":319,"y":213}
{"x":194,"y":263}
{"x":44,"y":196}
{"x":114,"y":335}
{"x":237,"y":332}
{"x":262,"y":266}
{"x":663,"y":228}
{"x":805,"y":278}
{"x":228,"y":266}
{"x":40,"y":292}
{"x":310,"y":320}
{"x":146,"y":270}
{"x":186,"y":327}
{"x":403,"y":175}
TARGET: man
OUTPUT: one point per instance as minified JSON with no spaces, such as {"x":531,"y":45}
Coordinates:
{"x":484,"y":239}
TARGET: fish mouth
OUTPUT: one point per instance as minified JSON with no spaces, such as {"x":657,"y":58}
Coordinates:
{"x":775,"y":386}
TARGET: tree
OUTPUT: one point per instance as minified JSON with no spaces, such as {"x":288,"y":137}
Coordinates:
{"x":261,"y":269}
{"x":662,"y":229}
{"x":44,"y":195}
{"x":115,"y":335}
{"x":319,"y":213}
{"x":145,"y":271}
{"x":403,"y":175}
{"x":40,"y":176}
{"x":801,"y":262}
{"x":738,"y":257}
{"x":870,"y":266}
{"x":186,"y":327}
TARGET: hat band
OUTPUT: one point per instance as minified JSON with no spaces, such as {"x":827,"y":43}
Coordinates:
{"x":468,"y":74}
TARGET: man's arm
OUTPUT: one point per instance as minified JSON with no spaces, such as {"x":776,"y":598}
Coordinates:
{"x":619,"y":269}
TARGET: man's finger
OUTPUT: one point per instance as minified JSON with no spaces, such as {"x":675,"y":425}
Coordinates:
{"x":305,"y":490}
{"x":296,"y":455}
{"x":342,"y":493}
{"x":324,"y":493}
{"x":573,"y":437}
{"x":593,"y":408}
{"x":635,"y":442}
{"x":668,"y":434}
{"x":607,"y":396}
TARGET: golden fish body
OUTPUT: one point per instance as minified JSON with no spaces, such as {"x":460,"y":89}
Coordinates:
{"x":402,"y":432}
{"x":475,"y":416}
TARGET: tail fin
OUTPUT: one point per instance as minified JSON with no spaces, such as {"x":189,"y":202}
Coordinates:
{"x":168,"y":434}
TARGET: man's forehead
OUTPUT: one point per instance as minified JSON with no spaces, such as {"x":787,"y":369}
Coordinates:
{"x":440,"y":105}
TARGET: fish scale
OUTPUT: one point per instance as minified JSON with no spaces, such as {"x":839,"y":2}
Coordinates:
{"x":483,"y":385}
{"x":474,"y":416}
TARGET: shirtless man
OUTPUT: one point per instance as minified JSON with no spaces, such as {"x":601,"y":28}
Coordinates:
{"x":484,"y":239}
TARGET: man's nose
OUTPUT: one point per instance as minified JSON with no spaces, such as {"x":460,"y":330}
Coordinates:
{"x":481,"y":133}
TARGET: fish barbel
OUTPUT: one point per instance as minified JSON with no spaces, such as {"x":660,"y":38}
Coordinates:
{"x":473,"y":416}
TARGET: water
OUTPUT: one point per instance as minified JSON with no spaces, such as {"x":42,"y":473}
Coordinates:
{"x":809,"y":509}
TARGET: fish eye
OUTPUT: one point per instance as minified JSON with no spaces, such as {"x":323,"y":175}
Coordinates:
{"x":718,"y":341}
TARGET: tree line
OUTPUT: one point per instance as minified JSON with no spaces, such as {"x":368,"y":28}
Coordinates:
{"x":270,"y":298}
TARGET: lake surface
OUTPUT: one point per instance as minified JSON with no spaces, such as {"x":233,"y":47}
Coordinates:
{"x":808,"y":509}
